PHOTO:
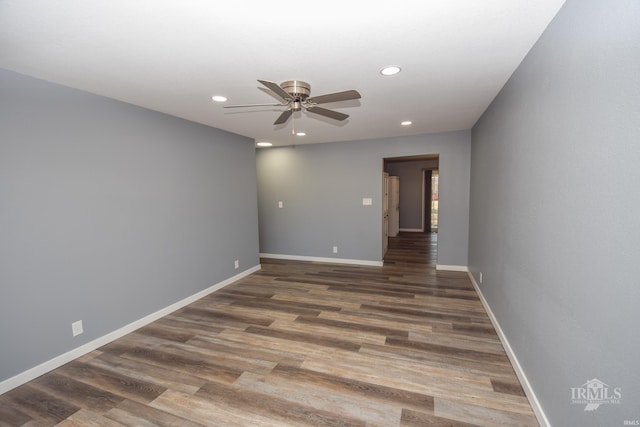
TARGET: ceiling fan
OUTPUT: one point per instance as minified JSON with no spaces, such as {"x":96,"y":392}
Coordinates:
{"x":295,"y":96}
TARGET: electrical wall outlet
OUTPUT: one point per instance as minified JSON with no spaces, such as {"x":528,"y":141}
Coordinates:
{"x":76,"y":328}
{"x":280,"y":205}
{"x":335,"y":249}
{"x":236,"y":264}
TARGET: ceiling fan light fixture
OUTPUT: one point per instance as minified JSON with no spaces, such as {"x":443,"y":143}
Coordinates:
{"x":390,"y":71}
{"x":219,"y":98}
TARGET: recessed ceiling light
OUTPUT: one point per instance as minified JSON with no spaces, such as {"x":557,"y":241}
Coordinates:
{"x":390,"y":71}
{"x":300,"y":133}
{"x":219,"y":98}
{"x":264,"y":144}
{"x":406,"y":123}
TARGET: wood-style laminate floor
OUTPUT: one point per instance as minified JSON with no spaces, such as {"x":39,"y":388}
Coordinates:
{"x":298,"y":343}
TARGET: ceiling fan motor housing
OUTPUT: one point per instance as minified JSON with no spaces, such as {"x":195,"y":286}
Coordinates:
{"x":298,"y":90}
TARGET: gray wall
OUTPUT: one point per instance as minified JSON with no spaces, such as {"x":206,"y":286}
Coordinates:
{"x":322,"y":187}
{"x":410,"y":174}
{"x":108,"y":213}
{"x":555,"y":196}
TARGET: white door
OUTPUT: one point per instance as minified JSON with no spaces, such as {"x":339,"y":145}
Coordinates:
{"x":385,"y":213}
{"x":394,"y":206}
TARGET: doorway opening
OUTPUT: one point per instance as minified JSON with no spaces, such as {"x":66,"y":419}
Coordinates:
{"x":418,"y":178}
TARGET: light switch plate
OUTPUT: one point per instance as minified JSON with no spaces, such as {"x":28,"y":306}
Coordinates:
{"x":367,"y":201}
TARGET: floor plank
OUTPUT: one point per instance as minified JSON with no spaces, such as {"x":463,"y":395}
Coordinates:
{"x":298,"y":343}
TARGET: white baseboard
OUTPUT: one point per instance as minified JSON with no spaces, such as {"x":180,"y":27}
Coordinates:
{"x":463,"y":268}
{"x":67,"y":357}
{"x":526,"y":386}
{"x":321,"y":259}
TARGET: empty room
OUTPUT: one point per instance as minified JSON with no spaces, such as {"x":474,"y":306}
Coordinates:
{"x":279,"y":214}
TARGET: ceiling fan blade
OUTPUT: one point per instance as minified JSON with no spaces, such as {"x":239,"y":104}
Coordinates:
{"x":335,"y":97}
{"x":328,"y":113}
{"x":275,"y":88}
{"x":255,"y":105}
{"x":283,"y":117}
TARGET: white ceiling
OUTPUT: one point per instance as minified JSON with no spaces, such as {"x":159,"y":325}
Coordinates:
{"x":173,"y":55}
